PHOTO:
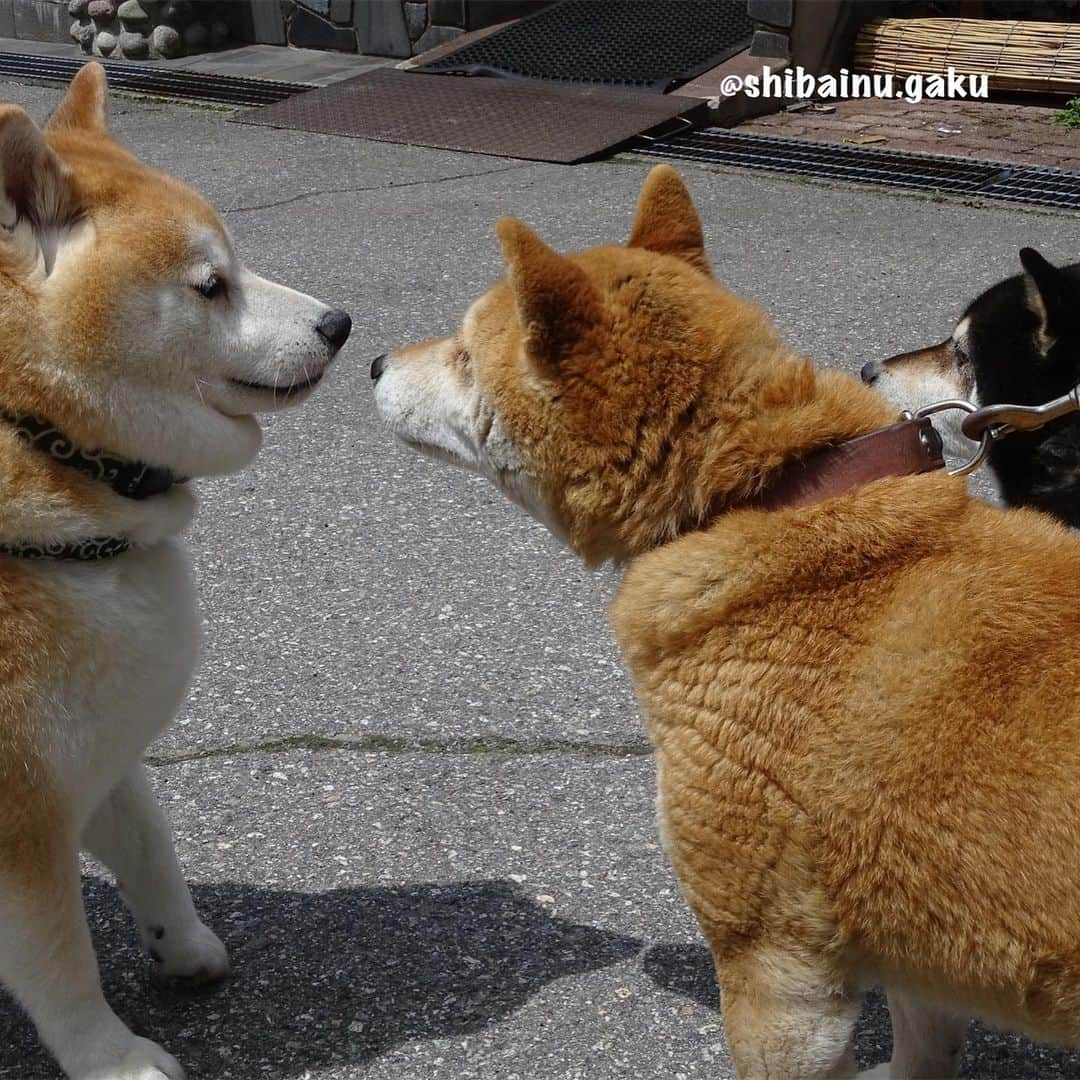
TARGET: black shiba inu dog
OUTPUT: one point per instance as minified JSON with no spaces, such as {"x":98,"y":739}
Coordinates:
{"x":1019,"y":342}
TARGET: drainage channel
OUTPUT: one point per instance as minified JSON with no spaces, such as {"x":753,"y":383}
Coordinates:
{"x":1034,"y":185}
{"x":164,"y":82}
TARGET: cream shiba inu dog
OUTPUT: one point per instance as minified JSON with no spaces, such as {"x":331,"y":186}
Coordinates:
{"x":135,"y":350}
{"x":863,"y":697}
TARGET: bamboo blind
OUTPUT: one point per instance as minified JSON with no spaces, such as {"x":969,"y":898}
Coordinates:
{"x":1015,"y":54}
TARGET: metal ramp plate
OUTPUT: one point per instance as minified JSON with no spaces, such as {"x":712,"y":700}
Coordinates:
{"x":530,"y":120}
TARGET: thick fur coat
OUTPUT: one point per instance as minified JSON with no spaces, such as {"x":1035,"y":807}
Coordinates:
{"x":864,"y":710}
{"x":129,"y":325}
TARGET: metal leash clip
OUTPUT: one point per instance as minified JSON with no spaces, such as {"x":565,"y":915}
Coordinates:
{"x":1001,"y":420}
{"x":984,"y":440}
{"x":986,"y":424}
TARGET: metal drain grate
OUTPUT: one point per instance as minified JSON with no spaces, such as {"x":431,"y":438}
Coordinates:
{"x":1040,"y":187}
{"x":633,"y":44}
{"x":1030,"y":184}
{"x":166,"y":82}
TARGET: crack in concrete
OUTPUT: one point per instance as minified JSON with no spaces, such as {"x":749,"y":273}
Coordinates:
{"x":372,"y":187}
{"x":395,"y":744}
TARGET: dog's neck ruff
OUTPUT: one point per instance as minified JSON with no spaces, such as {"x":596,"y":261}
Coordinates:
{"x":130,"y":479}
{"x":904,"y":449}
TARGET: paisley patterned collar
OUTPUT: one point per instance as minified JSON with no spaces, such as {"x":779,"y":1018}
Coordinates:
{"x":99,"y":547}
{"x":131,"y":479}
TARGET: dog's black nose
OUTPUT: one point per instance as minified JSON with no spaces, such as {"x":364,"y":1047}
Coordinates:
{"x":870,"y":372}
{"x":377,"y":366}
{"x":335,"y":326}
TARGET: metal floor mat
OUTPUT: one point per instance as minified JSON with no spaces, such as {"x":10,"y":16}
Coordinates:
{"x":144,"y":79}
{"x":535,"y":121}
{"x":634,"y":44}
{"x":1035,"y":185}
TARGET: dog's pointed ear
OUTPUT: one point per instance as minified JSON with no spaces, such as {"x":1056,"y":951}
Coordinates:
{"x":556,"y":303}
{"x":1053,"y":291}
{"x":84,"y":104}
{"x":33,"y":180}
{"x":666,"y":221}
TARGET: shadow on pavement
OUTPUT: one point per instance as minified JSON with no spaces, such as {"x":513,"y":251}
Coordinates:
{"x":688,"y":970}
{"x":684,"y":969}
{"x":333,"y":978}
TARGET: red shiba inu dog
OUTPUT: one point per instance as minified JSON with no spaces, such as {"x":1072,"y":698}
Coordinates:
{"x":862,"y":695}
{"x":135,"y":350}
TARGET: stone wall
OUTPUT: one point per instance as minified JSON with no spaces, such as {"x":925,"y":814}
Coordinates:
{"x":147,"y":29}
{"x":151,"y":29}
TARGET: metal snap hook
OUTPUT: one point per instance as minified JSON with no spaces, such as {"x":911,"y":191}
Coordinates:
{"x":985,"y":437}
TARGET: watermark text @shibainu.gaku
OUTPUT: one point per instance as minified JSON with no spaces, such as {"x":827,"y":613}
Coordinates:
{"x":800,"y":85}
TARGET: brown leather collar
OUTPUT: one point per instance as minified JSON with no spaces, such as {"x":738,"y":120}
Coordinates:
{"x":904,"y":449}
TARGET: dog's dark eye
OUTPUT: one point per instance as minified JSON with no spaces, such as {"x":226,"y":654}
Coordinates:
{"x":211,"y":287}
{"x":961,"y":356}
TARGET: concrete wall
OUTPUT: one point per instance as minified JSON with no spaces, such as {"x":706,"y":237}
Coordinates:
{"x":818,"y":35}
{"x":428,"y":23}
{"x":35,"y":20}
{"x":377,"y":27}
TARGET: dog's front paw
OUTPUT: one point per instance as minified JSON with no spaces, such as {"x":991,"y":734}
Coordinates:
{"x":144,"y":1060}
{"x":194,"y":956}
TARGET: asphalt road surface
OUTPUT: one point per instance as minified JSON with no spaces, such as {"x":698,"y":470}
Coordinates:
{"x":410,"y":785}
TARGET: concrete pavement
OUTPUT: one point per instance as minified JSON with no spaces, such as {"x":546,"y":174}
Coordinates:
{"x":410,"y":785}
